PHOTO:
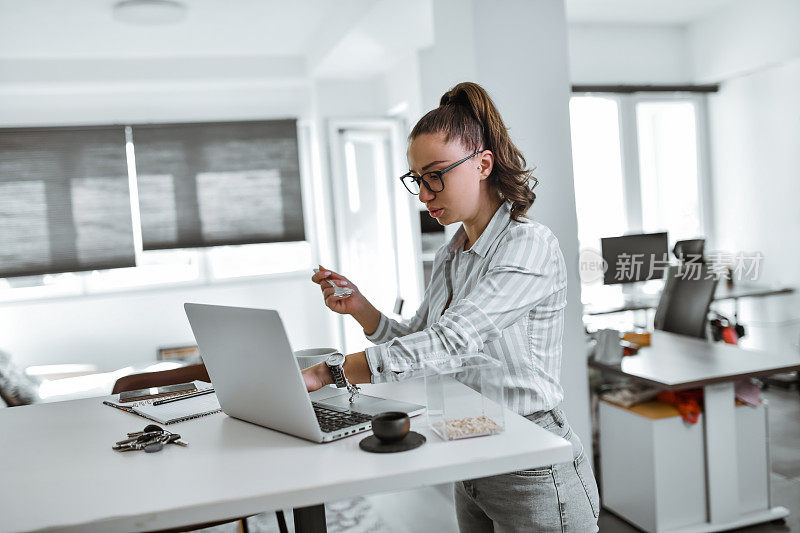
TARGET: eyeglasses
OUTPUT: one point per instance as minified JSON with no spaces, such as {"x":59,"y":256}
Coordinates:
{"x":432,"y":180}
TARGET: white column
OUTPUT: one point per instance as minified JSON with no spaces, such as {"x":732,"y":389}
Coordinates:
{"x":517,"y":50}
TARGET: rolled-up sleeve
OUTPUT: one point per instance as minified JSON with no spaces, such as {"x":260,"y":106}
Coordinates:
{"x":526,"y":268}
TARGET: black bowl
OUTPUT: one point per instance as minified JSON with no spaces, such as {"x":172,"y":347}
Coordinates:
{"x":391,"y":426}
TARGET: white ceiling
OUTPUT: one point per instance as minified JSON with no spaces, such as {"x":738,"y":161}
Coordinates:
{"x":668,"y":12}
{"x":87,"y":29}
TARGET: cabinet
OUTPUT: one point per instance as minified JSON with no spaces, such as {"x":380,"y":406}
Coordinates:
{"x":652,"y":465}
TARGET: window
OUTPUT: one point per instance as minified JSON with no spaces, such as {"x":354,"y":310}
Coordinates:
{"x":668,"y":174}
{"x":64,"y":201}
{"x":637,"y":165}
{"x":211,"y":184}
{"x":597,"y":167}
{"x":94,"y":209}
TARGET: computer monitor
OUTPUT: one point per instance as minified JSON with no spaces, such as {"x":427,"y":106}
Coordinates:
{"x":633,"y":258}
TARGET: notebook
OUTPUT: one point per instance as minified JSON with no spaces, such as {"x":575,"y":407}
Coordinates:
{"x":172,"y":412}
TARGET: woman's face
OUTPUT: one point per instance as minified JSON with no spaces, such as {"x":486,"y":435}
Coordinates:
{"x":464,"y":186}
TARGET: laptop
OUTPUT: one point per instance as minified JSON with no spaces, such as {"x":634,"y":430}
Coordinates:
{"x":257,"y":378}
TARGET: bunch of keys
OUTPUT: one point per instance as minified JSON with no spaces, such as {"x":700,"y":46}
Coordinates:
{"x":353,"y":390}
{"x":339,"y":292}
{"x":152,"y":439}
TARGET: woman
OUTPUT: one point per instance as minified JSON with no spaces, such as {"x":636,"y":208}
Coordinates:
{"x":498,"y":287}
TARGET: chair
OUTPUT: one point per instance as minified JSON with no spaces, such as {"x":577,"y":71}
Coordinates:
{"x":163,"y":378}
{"x":690,"y":250}
{"x":684,"y":303}
{"x":173,"y":377}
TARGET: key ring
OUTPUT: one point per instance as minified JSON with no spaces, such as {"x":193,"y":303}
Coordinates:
{"x":353,"y":390}
{"x":151,"y":439}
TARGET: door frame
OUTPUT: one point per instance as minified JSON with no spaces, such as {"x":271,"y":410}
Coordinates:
{"x":404,"y":213}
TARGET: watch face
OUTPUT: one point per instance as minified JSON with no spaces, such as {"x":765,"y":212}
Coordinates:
{"x":335,"y":359}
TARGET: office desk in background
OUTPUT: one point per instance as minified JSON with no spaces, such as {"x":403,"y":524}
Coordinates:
{"x":59,"y":470}
{"x":617,"y":302}
{"x":678,"y":362}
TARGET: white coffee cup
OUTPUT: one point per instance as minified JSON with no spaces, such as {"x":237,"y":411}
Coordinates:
{"x":312,"y":356}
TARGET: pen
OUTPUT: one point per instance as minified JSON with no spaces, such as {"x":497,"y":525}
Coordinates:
{"x":183,"y":396}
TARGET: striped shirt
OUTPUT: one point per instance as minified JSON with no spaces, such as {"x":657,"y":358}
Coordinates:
{"x":509,"y":292}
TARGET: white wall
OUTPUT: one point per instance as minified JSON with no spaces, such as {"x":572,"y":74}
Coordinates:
{"x":744,"y":38}
{"x":755,"y":127}
{"x":403,"y":90}
{"x":753,"y":51}
{"x":114,"y":91}
{"x":347,"y":98}
{"x":627,"y":54}
{"x":121,"y":329}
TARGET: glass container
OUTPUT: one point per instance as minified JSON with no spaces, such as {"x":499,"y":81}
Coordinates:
{"x":458,"y":412}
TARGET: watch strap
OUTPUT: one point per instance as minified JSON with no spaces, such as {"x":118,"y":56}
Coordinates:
{"x":337,"y":372}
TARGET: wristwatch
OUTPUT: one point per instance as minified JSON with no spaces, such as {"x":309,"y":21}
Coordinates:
{"x":335,"y":363}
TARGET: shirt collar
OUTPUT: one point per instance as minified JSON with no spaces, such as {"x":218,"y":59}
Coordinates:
{"x":498,"y":222}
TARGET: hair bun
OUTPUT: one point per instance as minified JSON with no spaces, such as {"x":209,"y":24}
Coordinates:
{"x":455,"y":96}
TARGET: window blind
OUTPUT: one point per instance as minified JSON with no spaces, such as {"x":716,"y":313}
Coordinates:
{"x":64,"y":200}
{"x":207,"y":184}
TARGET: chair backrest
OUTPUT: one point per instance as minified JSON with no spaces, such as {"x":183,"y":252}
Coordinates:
{"x":145,"y":380}
{"x":684,"y":303}
{"x":690,"y":249}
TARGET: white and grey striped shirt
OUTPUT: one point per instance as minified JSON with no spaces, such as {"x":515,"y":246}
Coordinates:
{"x":508,"y":299}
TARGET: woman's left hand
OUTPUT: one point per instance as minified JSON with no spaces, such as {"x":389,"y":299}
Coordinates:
{"x":317,"y":376}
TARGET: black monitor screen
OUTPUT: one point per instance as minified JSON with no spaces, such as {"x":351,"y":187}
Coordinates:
{"x":428,"y":224}
{"x":635,"y":257}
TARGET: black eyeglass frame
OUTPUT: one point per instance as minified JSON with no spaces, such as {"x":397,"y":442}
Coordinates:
{"x":437,"y":173}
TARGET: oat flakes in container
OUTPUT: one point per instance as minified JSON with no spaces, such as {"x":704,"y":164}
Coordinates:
{"x":458,"y":412}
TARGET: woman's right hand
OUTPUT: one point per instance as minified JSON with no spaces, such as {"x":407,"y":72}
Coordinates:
{"x":348,"y":305}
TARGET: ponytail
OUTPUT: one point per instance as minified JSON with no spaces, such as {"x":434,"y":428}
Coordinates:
{"x":467,"y":113}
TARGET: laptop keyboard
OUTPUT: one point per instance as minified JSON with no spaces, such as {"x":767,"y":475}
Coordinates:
{"x":331,"y":420}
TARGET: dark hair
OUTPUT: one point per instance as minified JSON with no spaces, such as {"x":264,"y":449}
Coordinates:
{"x":467,"y":113}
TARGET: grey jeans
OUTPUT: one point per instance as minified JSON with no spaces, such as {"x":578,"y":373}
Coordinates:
{"x":557,"y":498}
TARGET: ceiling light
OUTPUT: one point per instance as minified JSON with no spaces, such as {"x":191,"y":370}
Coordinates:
{"x":149,"y":12}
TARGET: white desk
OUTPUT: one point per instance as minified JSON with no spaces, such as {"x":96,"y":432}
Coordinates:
{"x":616,"y":302}
{"x":675,"y":362}
{"x":59,"y":470}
